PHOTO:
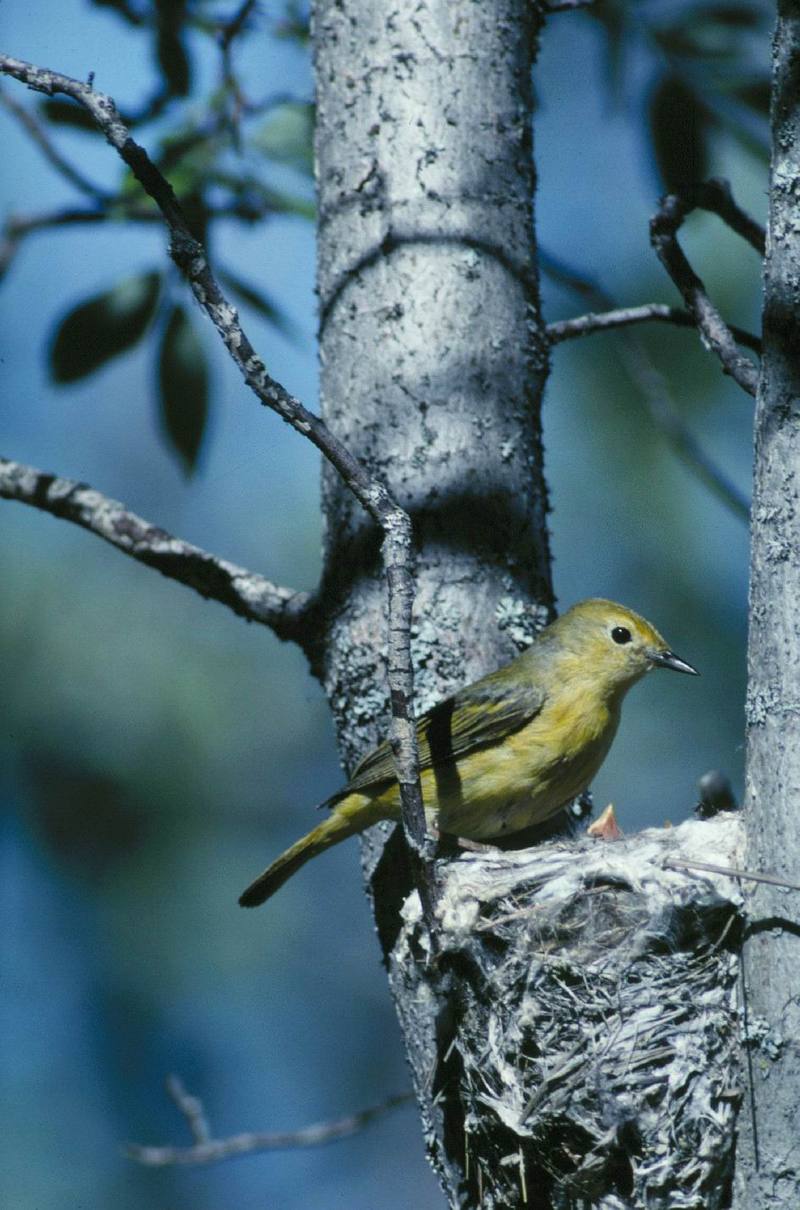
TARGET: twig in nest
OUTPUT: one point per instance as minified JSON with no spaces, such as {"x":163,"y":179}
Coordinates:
{"x":673,"y":863}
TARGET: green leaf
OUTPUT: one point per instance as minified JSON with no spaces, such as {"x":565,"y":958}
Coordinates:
{"x":183,"y":387}
{"x":170,"y":50}
{"x":286,"y":137}
{"x":261,"y":303}
{"x":678,"y":128}
{"x":103,"y":327}
{"x":755,"y":94}
{"x":295,"y":25}
{"x":739,"y":16}
{"x":68,"y":113}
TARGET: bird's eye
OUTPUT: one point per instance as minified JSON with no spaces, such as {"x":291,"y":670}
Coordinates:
{"x":621,"y":634}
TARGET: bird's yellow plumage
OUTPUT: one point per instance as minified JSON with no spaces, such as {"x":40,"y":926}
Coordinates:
{"x":510,"y":750}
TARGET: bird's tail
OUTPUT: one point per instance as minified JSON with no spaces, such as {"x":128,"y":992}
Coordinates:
{"x":351,"y":815}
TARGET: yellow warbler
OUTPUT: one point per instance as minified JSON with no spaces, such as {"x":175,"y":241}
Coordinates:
{"x":510,"y":750}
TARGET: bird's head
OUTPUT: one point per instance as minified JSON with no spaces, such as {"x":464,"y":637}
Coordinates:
{"x":612,"y":645}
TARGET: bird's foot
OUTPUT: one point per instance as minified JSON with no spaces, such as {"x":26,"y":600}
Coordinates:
{"x":605,"y":827}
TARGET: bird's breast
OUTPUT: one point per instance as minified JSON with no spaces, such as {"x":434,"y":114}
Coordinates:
{"x":526,"y":777}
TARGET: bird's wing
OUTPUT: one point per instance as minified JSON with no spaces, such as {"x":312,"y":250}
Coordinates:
{"x":475,"y":717}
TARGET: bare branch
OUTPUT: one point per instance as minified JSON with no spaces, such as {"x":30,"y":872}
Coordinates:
{"x":655,"y":395}
{"x":208,"y":1150}
{"x":623,"y":317}
{"x":17,"y":227}
{"x":190,"y":257}
{"x":41,"y":138}
{"x":191,"y":1108}
{"x":714,"y":196}
{"x":247,"y":594}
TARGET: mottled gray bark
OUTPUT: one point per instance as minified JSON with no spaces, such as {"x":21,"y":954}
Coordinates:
{"x":433,"y":355}
{"x":433,"y":364}
{"x":768,"y":1159}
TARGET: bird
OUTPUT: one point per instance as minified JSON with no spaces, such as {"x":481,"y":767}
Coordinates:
{"x":508,"y":751}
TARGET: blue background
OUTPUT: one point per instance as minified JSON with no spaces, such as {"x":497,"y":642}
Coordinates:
{"x":156,"y":751}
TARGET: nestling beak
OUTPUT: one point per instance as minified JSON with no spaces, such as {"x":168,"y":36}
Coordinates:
{"x":668,"y":659}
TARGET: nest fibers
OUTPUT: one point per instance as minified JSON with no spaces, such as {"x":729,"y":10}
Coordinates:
{"x":586,"y":1053}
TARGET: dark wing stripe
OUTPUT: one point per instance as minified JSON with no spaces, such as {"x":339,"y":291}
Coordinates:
{"x":476,"y":717}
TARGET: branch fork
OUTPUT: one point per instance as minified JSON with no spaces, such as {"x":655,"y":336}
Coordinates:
{"x":190,"y":257}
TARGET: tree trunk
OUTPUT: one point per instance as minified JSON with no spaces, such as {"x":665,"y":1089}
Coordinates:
{"x":552,"y":1065}
{"x":433,"y":357}
{"x":768,"y":1159}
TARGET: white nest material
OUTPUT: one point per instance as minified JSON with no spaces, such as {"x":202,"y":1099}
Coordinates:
{"x":584,"y":1051}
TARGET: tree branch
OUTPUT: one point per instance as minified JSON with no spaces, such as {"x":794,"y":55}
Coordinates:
{"x":246,"y":593}
{"x":623,"y":317}
{"x":655,"y":395}
{"x":714,"y":196}
{"x":208,"y":1150}
{"x":190,"y":257}
{"x":18,"y":227}
{"x":34,"y":129}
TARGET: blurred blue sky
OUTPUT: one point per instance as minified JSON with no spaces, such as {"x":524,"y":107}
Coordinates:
{"x":157,"y":751}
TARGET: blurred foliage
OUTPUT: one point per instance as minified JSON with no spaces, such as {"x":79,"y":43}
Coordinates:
{"x":697,"y":71}
{"x":81,"y":814}
{"x":220,"y":149}
{"x":183,"y":386}
{"x":103,"y":327}
{"x":702,"y":72}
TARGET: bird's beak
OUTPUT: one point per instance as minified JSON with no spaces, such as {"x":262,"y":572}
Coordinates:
{"x":668,"y":659}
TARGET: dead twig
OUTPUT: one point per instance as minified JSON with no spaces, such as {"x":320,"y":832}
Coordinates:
{"x":623,"y":317}
{"x":249,"y":595}
{"x":37,"y":133}
{"x":655,"y":394}
{"x":208,"y":1150}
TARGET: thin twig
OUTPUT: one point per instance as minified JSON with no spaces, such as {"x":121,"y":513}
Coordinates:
{"x":233,"y":28}
{"x":249,"y":595}
{"x":228,"y":32}
{"x":622,"y":317}
{"x":714,"y":196}
{"x":34,"y":129}
{"x":191,"y":1107}
{"x":17,"y":227}
{"x":113,"y":210}
{"x":655,"y":394}
{"x":673,"y":863}
{"x":208,"y":1150}
{"x":190,"y":257}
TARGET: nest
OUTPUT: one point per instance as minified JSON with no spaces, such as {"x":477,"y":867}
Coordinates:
{"x":575,"y":1040}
